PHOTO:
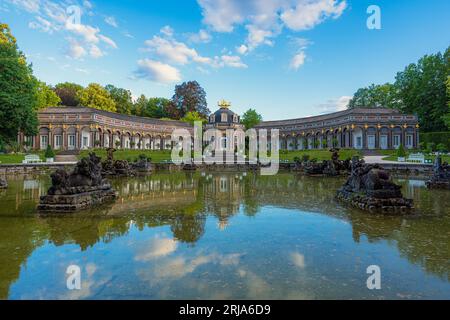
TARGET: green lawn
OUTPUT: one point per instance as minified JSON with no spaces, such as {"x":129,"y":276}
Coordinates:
{"x":319,"y":154}
{"x":160,"y":156}
{"x":12,"y":158}
{"x":393,"y":157}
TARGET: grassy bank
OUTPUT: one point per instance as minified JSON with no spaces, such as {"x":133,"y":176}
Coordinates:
{"x":161,"y":156}
{"x":319,"y":154}
{"x":13,"y":158}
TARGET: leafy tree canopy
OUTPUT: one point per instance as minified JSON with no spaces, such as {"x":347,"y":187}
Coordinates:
{"x":251,"y":118}
{"x":375,"y":96}
{"x":18,"y":98}
{"x":421,"y":89}
{"x":122,"y":98}
{"x":188,"y":97}
{"x":46,"y":96}
{"x":68,"y":93}
{"x":97,"y":97}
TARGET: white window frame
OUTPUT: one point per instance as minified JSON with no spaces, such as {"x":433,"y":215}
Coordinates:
{"x":223,"y":117}
{"x":409,"y":141}
{"x":71,"y":145}
{"x":43,"y":141}
{"x":396,"y":141}
{"x":57,"y":141}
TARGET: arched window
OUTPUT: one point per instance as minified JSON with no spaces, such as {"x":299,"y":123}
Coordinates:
{"x":224,"y":117}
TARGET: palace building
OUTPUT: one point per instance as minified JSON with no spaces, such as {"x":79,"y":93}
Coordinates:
{"x":77,"y":128}
{"x":360,"y":128}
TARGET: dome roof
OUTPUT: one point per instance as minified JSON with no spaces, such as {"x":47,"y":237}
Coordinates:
{"x":218,"y":116}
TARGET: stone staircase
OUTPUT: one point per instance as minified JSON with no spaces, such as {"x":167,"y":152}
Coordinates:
{"x":67,"y":156}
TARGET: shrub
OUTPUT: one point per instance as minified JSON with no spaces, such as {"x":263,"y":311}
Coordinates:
{"x":442,"y":148}
{"x":431,"y":146}
{"x":49,"y":153}
{"x":401,"y":153}
{"x":436,"y":137}
{"x":297,"y":159}
{"x":305,"y":157}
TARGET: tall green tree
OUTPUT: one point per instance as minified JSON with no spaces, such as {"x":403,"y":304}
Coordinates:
{"x":46,"y":96}
{"x":376,"y":96}
{"x":68,"y":93}
{"x":156,"y":108}
{"x":423,"y":91}
{"x":18,"y":95}
{"x":251,"y":118}
{"x":189,"y":96}
{"x":139,"y":105}
{"x":122,"y":98}
{"x":446,"y":117}
{"x":97,"y":97}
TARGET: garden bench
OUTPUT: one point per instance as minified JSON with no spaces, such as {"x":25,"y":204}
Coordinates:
{"x":416,"y":157}
{"x":32,"y":158}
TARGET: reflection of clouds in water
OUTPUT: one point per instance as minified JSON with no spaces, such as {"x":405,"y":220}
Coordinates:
{"x":88,"y":284}
{"x":298,"y":260}
{"x":180,"y":266}
{"x":155,"y":248}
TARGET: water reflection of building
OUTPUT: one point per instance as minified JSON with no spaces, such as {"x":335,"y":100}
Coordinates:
{"x":223,"y":196}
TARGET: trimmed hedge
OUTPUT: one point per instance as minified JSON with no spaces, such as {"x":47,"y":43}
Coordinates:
{"x":436,"y":138}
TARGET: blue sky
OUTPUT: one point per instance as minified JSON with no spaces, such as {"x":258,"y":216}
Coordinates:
{"x":286,"y":58}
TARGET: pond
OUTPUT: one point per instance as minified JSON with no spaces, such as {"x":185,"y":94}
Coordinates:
{"x":223,"y":236}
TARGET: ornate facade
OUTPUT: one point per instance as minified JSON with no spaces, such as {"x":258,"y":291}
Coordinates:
{"x":77,"y":128}
{"x":361,"y":128}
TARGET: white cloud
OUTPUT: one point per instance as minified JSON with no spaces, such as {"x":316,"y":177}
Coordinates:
{"x":167,"y":30}
{"x":108,"y":41}
{"x":87,"y":4}
{"x":95,"y":52}
{"x":298,"y":260}
{"x":169,"y":50}
{"x":157,"y":247}
{"x":111,"y":21}
{"x":29,"y":5}
{"x":307,"y":14}
{"x":52,"y":17}
{"x":85,"y":71}
{"x":76,"y":51}
{"x":157,"y":71}
{"x":200,"y":37}
{"x":264,"y":20}
{"x":333,"y":105}
{"x":242,"y":49}
{"x":298,"y":60}
{"x":173,"y":51}
{"x":232,"y":61}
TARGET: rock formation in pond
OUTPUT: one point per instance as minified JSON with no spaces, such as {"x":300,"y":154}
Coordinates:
{"x":84,"y":187}
{"x":142,"y":165}
{"x":3,"y":183}
{"x":370,"y":188}
{"x":333,"y":167}
{"x":441,"y":175}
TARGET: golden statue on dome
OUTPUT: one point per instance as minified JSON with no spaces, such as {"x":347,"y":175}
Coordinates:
{"x":224,"y":104}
